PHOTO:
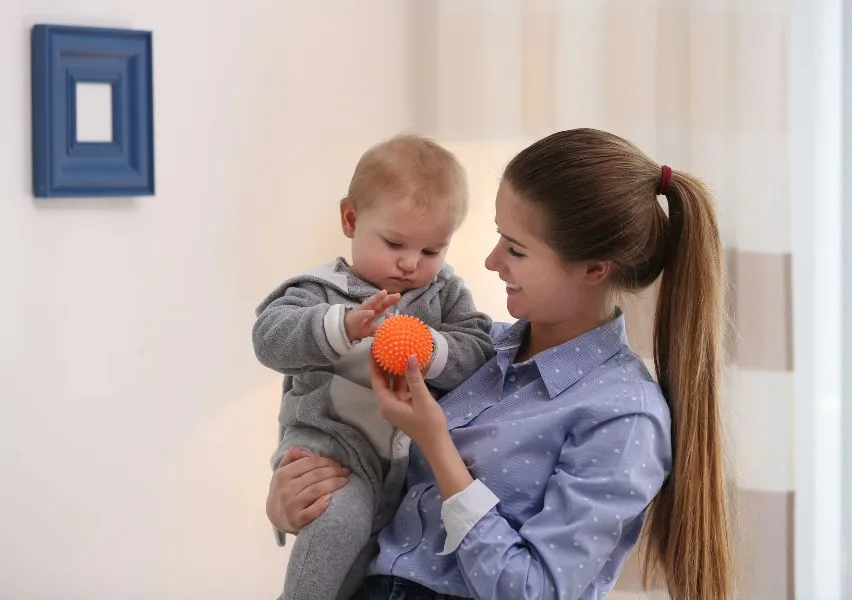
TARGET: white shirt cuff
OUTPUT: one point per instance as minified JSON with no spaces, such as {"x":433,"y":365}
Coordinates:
{"x":335,"y":329}
{"x":462,"y":511}
{"x":440,"y":352}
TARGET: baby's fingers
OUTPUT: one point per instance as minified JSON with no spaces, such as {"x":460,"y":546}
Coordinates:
{"x":387,"y":302}
{"x":374,"y":301}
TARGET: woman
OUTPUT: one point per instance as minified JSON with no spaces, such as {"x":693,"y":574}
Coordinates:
{"x":536,"y":477}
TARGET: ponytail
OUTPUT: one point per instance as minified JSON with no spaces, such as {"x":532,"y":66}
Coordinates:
{"x":686,"y":536}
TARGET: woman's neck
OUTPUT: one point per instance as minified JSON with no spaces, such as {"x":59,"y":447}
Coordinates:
{"x":543,"y":336}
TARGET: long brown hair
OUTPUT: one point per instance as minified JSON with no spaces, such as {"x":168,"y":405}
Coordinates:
{"x":599,"y":197}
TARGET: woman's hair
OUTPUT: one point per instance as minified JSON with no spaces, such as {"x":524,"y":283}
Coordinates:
{"x":598,"y":194}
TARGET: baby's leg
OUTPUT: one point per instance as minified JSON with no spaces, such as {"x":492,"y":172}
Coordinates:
{"x":307,"y":438}
{"x":326,"y":548}
{"x":355,"y":578}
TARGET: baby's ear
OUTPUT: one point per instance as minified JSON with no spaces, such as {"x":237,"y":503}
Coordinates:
{"x":348,"y":216}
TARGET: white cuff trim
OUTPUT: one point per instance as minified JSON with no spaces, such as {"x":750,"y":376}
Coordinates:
{"x":462,"y":511}
{"x":335,"y":329}
{"x":440,"y":352}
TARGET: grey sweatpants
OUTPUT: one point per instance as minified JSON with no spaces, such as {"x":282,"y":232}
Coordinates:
{"x":330,"y":555}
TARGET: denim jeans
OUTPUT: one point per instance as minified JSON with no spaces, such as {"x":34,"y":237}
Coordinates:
{"x":382,"y":587}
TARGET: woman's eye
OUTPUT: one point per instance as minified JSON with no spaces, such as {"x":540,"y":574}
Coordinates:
{"x":515,"y":253}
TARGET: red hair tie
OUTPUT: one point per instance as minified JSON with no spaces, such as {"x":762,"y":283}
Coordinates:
{"x":665,"y":177}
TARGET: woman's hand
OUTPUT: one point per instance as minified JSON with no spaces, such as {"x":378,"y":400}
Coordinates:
{"x":408,"y":404}
{"x":301,"y":488}
{"x":410,"y":407}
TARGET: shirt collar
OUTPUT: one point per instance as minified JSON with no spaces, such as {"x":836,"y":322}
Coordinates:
{"x":564,"y":365}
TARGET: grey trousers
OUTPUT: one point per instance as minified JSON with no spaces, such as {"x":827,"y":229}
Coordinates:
{"x":330,"y":555}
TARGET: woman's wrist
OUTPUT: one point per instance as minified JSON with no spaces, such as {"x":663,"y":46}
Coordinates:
{"x":451,"y":474}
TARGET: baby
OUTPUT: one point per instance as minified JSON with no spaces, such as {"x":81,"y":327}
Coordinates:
{"x":406,"y":199}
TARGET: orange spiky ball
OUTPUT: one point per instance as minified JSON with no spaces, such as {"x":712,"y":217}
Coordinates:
{"x":397,"y":338}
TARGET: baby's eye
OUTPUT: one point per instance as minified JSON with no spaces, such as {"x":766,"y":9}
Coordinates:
{"x":431,"y":252}
{"x":393,"y":244}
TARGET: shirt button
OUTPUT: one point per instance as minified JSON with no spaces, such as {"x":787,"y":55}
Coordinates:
{"x":405,"y":545}
{"x":413,"y":495}
{"x":468,"y":415}
{"x":512,"y":378}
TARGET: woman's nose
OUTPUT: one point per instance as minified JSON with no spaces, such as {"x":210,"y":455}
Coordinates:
{"x":491,"y":260}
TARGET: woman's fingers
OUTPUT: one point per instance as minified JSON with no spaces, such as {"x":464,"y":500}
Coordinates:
{"x":294,"y":453}
{"x":299,"y":467}
{"x":315,"y":491}
{"x":306,"y":515}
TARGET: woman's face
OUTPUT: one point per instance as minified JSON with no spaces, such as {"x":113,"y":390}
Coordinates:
{"x":540,"y":287}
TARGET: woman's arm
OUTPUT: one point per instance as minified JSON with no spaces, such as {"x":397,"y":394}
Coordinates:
{"x":409,"y":406}
{"x":447,"y":465}
{"x":590,"y":518}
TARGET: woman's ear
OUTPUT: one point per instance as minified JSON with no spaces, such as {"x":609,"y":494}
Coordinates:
{"x":348,"y":216}
{"x":597,"y":272}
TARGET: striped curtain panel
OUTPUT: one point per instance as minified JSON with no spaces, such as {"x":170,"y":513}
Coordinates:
{"x":699,"y":85}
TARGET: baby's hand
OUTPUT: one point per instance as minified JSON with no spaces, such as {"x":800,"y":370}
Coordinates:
{"x":360,"y":322}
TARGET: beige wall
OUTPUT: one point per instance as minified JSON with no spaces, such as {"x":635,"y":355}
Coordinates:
{"x":135,"y":423}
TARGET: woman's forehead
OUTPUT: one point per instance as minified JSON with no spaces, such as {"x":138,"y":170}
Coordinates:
{"x":516,"y":218}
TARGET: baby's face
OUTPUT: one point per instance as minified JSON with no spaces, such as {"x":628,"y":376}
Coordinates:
{"x":395,"y":246}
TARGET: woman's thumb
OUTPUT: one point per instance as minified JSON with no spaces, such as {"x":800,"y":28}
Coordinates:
{"x":413,"y":376}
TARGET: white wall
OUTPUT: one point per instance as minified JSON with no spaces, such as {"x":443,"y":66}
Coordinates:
{"x":135,"y":424}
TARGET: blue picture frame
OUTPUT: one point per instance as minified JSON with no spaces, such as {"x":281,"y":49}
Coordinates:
{"x":62,"y":57}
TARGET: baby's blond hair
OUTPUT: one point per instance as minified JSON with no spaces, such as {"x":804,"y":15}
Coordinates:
{"x":413,"y":168}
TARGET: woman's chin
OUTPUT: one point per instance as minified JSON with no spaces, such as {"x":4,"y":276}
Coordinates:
{"x":515,"y":308}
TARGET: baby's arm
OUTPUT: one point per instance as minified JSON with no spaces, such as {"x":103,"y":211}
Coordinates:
{"x":462,"y":339}
{"x":298,"y":329}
